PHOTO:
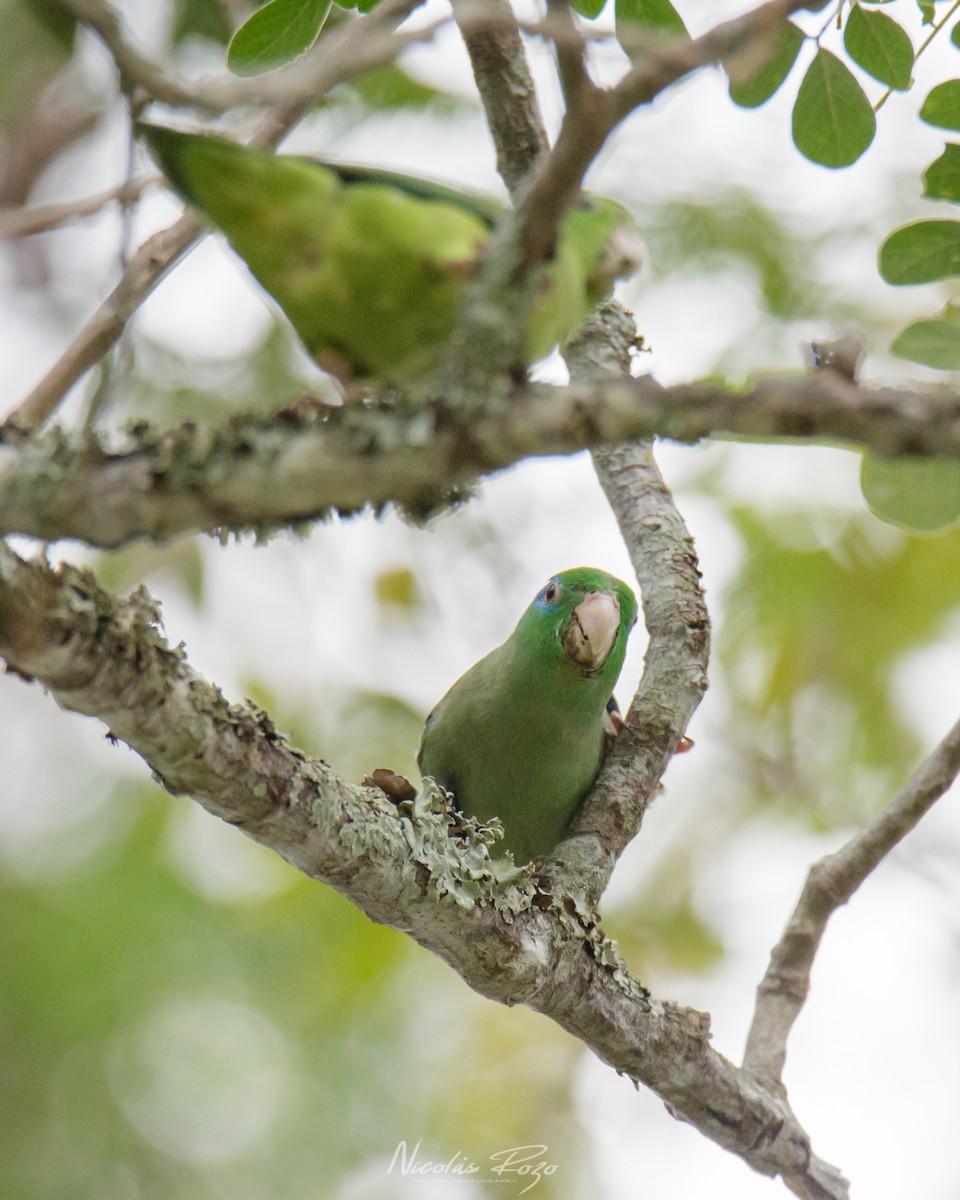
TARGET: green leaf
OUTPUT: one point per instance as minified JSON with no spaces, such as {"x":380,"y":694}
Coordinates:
{"x":921,"y":252}
{"x":920,"y":495}
{"x":934,"y":342}
{"x":650,"y":14}
{"x":756,"y":89}
{"x":275,"y":34}
{"x":926,"y":9}
{"x":942,"y":106}
{"x":955,"y":35}
{"x":941,"y":180}
{"x":833,"y":121}
{"x":588,"y":8}
{"x":878,"y":44}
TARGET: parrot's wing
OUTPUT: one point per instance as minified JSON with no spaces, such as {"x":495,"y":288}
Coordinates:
{"x":484,"y":208}
{"x":369,"y":267}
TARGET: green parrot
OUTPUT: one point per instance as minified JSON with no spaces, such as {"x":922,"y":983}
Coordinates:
{"x":522,"y":734}
{"x":371,"y":267}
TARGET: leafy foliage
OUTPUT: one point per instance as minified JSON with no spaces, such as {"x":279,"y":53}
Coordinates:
{"x":833,"y":121}
{"x":659,"y":15}
{"x":935,"y":342}
{"x":276,"y":33}
{"x":918,"y":495}
{"x":757,"y":87}
{"x":921,"y":252}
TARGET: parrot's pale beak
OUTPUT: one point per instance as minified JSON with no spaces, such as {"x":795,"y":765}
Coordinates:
{"x":629,"y":251}
{"x":592,"y":630}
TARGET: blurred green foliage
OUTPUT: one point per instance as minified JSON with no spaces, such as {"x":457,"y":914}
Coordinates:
{"x":825,"y":608}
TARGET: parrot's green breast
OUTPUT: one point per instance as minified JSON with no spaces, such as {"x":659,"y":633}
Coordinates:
{"x":521,"y":735}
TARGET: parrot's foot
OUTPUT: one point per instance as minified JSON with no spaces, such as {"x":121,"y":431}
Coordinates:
{"x":336,"y":365}
{"x":395,"y":787}
{"x":304,"y":410}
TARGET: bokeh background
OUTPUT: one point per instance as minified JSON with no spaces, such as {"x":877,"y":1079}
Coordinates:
{"x":183,"y":1015}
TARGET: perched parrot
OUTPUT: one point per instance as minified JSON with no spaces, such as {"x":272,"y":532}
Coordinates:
{"x":371,"y":267}
{"x":522,"y":734}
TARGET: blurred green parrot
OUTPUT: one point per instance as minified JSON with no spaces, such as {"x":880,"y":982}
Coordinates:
{"x":522,"y":734}
{"x":371,"y":267}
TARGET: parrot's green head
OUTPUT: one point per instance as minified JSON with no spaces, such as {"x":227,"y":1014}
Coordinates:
{"x":608,"y":243}
{"x":580,"y":620}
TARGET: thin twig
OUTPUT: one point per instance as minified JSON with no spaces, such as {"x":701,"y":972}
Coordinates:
{"x":22,"y":222}
{"x":569,"y":45}
{"x":339,"y":55}
{"x":144,"y":271}
{"x":830,"y":883}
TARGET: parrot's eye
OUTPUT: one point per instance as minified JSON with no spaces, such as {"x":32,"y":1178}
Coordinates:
{"x":551,"y":592}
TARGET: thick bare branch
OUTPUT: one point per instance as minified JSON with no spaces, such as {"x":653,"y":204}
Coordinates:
{"x":106,"y":658}
{"x":506,"y":87}
{"x":830,"y":883}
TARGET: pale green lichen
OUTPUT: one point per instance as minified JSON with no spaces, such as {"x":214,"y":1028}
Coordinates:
{"x":450,"y":854}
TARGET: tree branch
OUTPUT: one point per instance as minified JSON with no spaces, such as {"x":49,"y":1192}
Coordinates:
{"x":39,"y":218}
{"x":340,"y":54}
{"x":268,"y":474}
{"x":830,"y":883}
{"x":506,"y":87}
{"x":578,"y":88}
{"x":486,"y":343}
{"x":675,"y":613}
{"x":104,"y":329}
{"x":659,"y":62}
{"x":402,"y":865}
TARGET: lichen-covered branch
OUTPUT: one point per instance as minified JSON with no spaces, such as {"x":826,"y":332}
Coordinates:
{"x":661,"y":549}
{"x":262,"y":474}
{"x":105,"y":657}
{"x":830,"y":883}
{"x":675,"y":613}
